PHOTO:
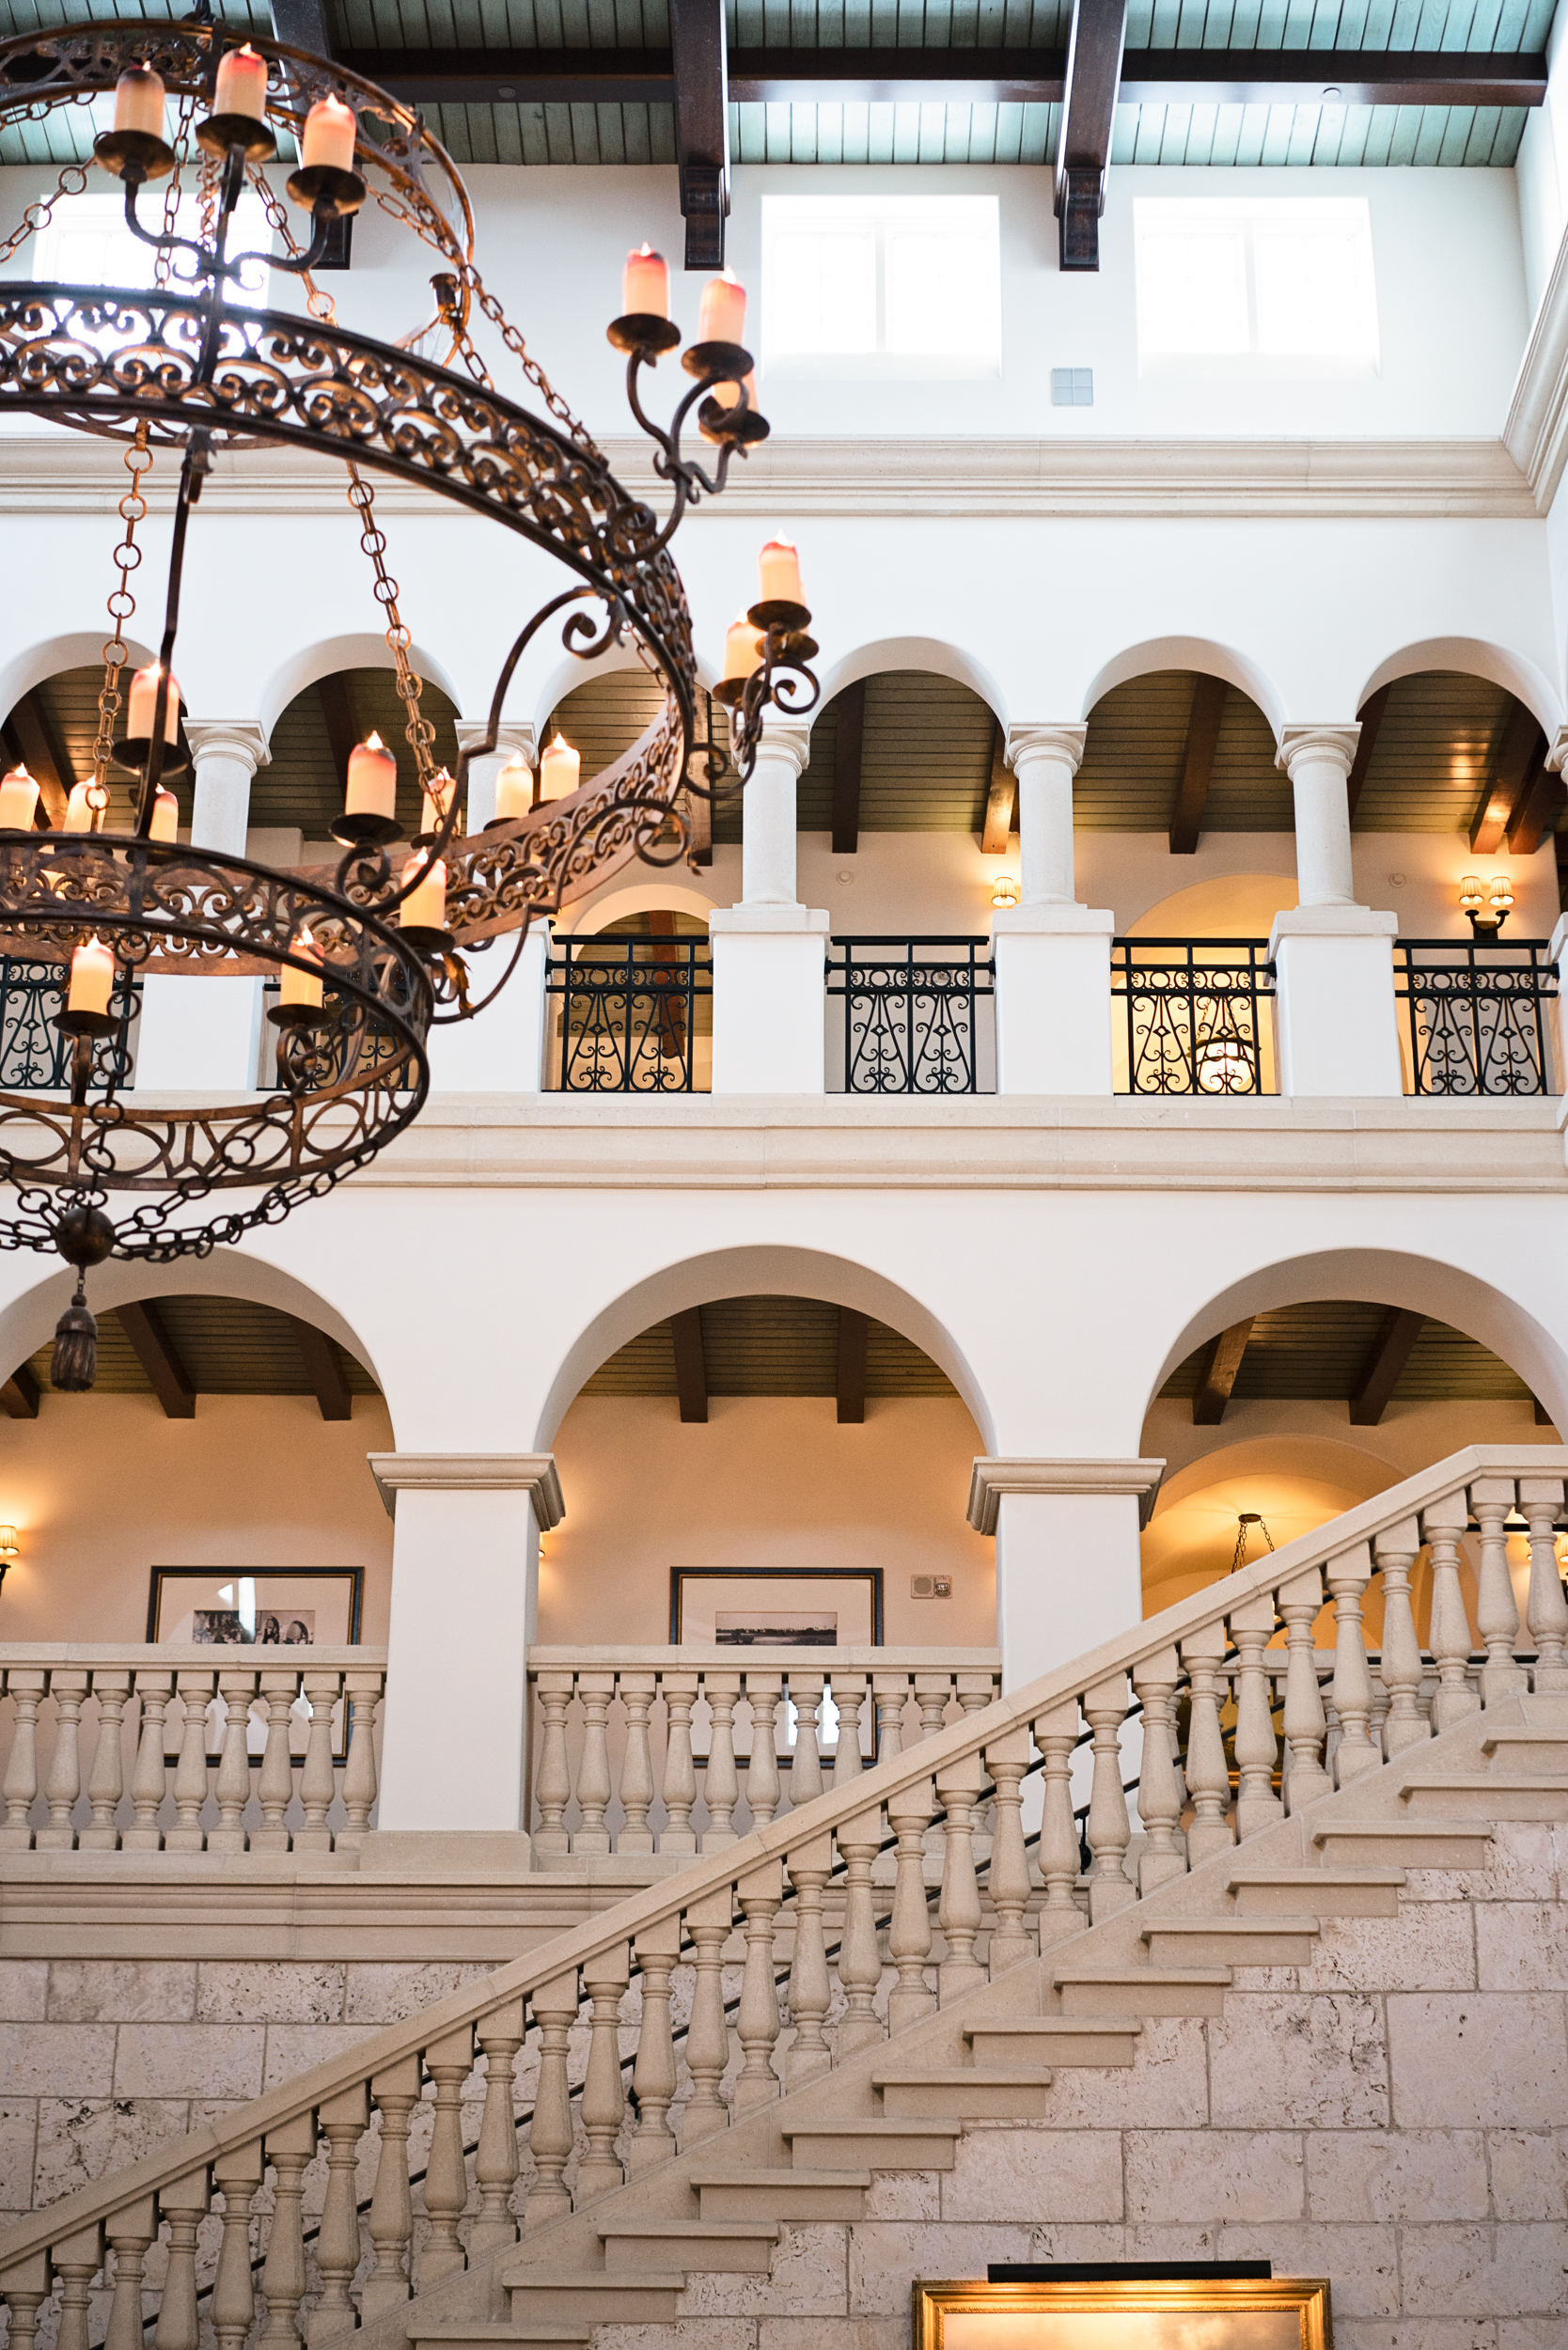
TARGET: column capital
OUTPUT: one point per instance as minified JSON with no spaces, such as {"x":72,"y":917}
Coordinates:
{"x":1557,"y":756}
{"x":242,"y":738}
{"x":1334,"y":745}
{"x":517,"y":737}
{"x":785,"y":736}
{"x":533,"y":1473}
{"x":1032,"y":739}
{"x":990,"y":1479}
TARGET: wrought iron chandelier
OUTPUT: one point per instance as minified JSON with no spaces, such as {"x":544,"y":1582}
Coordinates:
{"x":369,"y":955}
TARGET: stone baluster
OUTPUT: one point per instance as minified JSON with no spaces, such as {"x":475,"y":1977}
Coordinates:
{"x":654,"y":2077}
{"x":932,"y":1693}
{"x":1208,"y":1774}
{"x":1497,"y":1611}
{"x":237,"y":2176}
{"x":183,"y":2206}
{"x":889,"y":1695}
{"x":1402,"y":1669}
{"x":1306,"y":1724}
{"x":974,"y":1691}
{"x":395,"y":2092}
{"x":850,"y":1691}
{"x":594,"y":1786}
{"x":63,"y":1782}
{"x":638,"y":1692}
{"x":708,"y":1922}
{"x":360,"y":1697}
{"x":130,"y":2234}
{"x":1257,"y":1747}
{"x":496,"y":2164}
{"x":909,"y":1815}
{"x":721,"y":1788}
{"x":551,"y":2138}
{"x":150,"y":1775}
{"x":759,"y":1892}
{"x":190,"y":1772}
{"x":1347,"y":1575}
{"x":1541,"y":1500}
{"x":810,"y":1990}
{"x":24,"y":2288}
{"x":680,"y":1691}
{"x":1449,"y":1639}
{"x":1379,"y":1709}
{"x":1110,"y":1830}
{"x":106,"y":1778}
{"x":806,"y":1767}
{"x":958,"y":1787}
{"x":1159,"y":1796}
{"x":1056,"y":1734}
{"x":859,"y":1841}
{"x":764,"y":1692}
{"x":275,"y":1785}
{"x":318,"y":1780}
{"x":21,"y":1783}
{"x":1007,"y":1760}
{"x":232,"y":1788}
{"x":448,"y":2061}
{"x":552,"y":1782}
{"x":77,"y":2260}
{"x":343,"y":2122}
{"x":290,"y":2150}
{"x":603,"y":2102}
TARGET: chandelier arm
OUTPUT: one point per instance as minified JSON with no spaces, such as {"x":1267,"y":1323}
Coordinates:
{"x":470,"y":1010}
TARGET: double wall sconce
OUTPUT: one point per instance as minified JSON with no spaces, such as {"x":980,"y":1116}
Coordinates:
{"x":1004,"y":891}
{"x":1488,"y":905}
{"x":9,"y":1549}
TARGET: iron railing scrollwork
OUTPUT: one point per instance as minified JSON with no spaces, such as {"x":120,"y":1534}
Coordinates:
{"x":1473,"y":1014}
{"x":910,"y":1023}
{"x":35,"y":1055}
{"x":1192,"y":1014}
{"x":632,"y":1011}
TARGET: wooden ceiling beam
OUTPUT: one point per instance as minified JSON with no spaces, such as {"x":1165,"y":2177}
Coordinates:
{"x":19,"y":1394}
{"x":700,"y":62}
{"x":848,"y":744}
{"x":691,"y":1369}
{"x":337,"y":712}
{"x":1192,"y":793}
{"x":44,"y":755}
{"x":1537,"y":808}
{"x":1366,"y":743}
{"x":1522,"y":744}
{"x":1000,"y":800}
{"x":302,"y":25}
{"x":1094,"y":71}
{"x":323,"y":1371}
{"x":1217,"y":1375}
{"x":851,"y":1383}
{"x":1385,"y":1358}
{"x":159,"y":1357}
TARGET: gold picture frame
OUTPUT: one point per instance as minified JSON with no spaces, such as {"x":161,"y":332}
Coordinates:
{"x":1126,"y":2313}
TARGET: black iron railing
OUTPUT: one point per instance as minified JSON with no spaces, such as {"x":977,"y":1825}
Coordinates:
{"x":632,"y":1011}
{"x":1192,"y":1014}
{"x":34,"y":1057}
{"x":910,"y":1012}
{"x":1474,"y":1016}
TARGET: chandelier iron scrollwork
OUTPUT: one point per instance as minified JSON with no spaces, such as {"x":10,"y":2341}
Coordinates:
{"x":371,"y":955}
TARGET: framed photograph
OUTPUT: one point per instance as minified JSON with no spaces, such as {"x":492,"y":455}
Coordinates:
{"x":775,"y":1607}
{"x":1126,"y":2313}
{"x":255,"y":1607}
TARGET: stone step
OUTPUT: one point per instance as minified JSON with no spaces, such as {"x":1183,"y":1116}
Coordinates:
{"x":1333,"y":1892}
{"x":1488,"y":1795}
{"x":1090,"y":1990}
{"x":1526,"y":1748}
{"x":916,"y":2145}
{"x":1406,"y":1843}
{"x":728,"y":2248}
{"x":593,"y":2297}
{"x":966,"y":2093}
{"x":1055,"y":2040}
{"x":479,"y":2334}
{"x":742,"y":2194}
{"x":1229,"y":1941}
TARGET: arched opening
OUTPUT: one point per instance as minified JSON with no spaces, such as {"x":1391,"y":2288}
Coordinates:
{"x":295,"y":800}
{"x":51,"y":728}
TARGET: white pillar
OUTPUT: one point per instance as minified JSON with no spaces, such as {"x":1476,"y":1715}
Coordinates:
{"x":770,"y":952}
{"x":227,"y":752}
{"x":454,"y":1757}
{"x":514,"y":737}
{"x":1052,"y":956}
{"x":1557,"y":955}
{"x":1068,"y":1571}
{"x":501,"y":1050}
{"x":1337,"y":1017}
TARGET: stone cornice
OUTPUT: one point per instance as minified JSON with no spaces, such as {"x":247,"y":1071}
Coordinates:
{"x":991,"y":1477}
{"x":533,"y":1473}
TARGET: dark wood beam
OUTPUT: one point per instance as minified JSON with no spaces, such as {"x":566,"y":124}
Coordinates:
{"x":160,"y":1358}
{"x":961,"y":76}
{"x":852,"y":1366}
{"x":691,"y":1369}
{"x":44,"y":755}
{"x":323,"y":1371}
{"x":846,"y":769}
{"x":337,"y":712}
{"x":1542,"y":1418}
{"x":19,"y":1394}
{"x":1094,"y":46}
{"x":1192,"y":793}
{"x":1366,"y":743}
{"x":1522,"y":744}
{"x":1216,"y":1377}
{"x":1537,"y":808}
{"x":699,"y":67}
{"x":1385,"y":1358}
{"x":699,"y":827}
{"x":1000,"y":800}
{"x":302,"y":25}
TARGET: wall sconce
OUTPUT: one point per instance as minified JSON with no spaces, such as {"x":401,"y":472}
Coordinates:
{"x":1004,"y":891}
{"x":1488,"y":905}
{"x":9,"y":1549}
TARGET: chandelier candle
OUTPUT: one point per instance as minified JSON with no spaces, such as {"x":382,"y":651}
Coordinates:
{"x":243,"y":85}
{"x":373,"y":778}
{"x":144,"y":703}
{"x":438,"y":799}
{"x":722,"y":317}
{"x":424,"y":907}
{"x":93,"y":977}
{"x":301,"y":987}
{"x":644,"y":284}
{"x":514,"y":789}
{"x":780,"y":571}
{"x":81,"y":807}
{"x":140,"y":101}
{"x":742,"y":649}
{"x":165,"y":817}
{"x":330,"y":128}
{"x":559,"y":770}
{"x":19,"y":800}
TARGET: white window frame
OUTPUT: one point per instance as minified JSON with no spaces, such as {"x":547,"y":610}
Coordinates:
{"x":1345,"y":220}
{"x":249,"y":231}
{"x":980,"y":214}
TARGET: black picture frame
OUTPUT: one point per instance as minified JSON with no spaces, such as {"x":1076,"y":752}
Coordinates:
{"x":680,"y":1577}
{"x":353,"y":1577}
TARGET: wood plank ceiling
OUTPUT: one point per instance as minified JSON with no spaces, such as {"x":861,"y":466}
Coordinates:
{"x":1317,"y":1352}
{"x":768,"y":1346}
{"x":227,"y":1346}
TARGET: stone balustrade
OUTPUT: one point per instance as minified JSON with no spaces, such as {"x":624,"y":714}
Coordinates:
{"x":762,"y":1965}
{"x":188,"y":1749}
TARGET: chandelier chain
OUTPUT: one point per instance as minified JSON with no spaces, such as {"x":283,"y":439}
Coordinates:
{"x":512,"y":336}
{"x":122,"y":604}
{"x":163,"y":260}
{"x":71,"y":181}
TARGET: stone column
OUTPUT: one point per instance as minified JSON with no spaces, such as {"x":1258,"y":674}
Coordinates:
{"x":1052,"y":955}
{"x":1337,"y":1028}
{"x":514,"y":736}
{"x":1069,"y":1572}
{"x":227,"y":752}
{"x":465,"y":1597}
{"x":770,"y":952}
{"x":502,"y":1050}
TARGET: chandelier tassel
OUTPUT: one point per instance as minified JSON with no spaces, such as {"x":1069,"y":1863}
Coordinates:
{"x":74,"y":1368}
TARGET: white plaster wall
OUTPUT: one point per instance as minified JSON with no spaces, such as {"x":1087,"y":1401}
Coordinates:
{"x":1542,"y":172}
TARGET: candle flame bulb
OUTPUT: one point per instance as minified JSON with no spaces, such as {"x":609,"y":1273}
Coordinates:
{"x":559,"y":770}
{"x":93,"y":977}
{"x":302,"y":987}
{"x":242,"y":85}
{"x":742,"y":649}
{"x":779,"y":571}
{"x":139,"y":96}
{"x":424,"y":907}
{"x":373,"y":778}
{"x":86,"y":803}
{"x":142,"y":704}
{"x":514,"y":789}
{"x":165,"y":817}
{"x":722,"y":317}
{"x":330,"y":131}
{"x":19,"y":800}
{"x":438,"y":799}
{"x":644,"y":284}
